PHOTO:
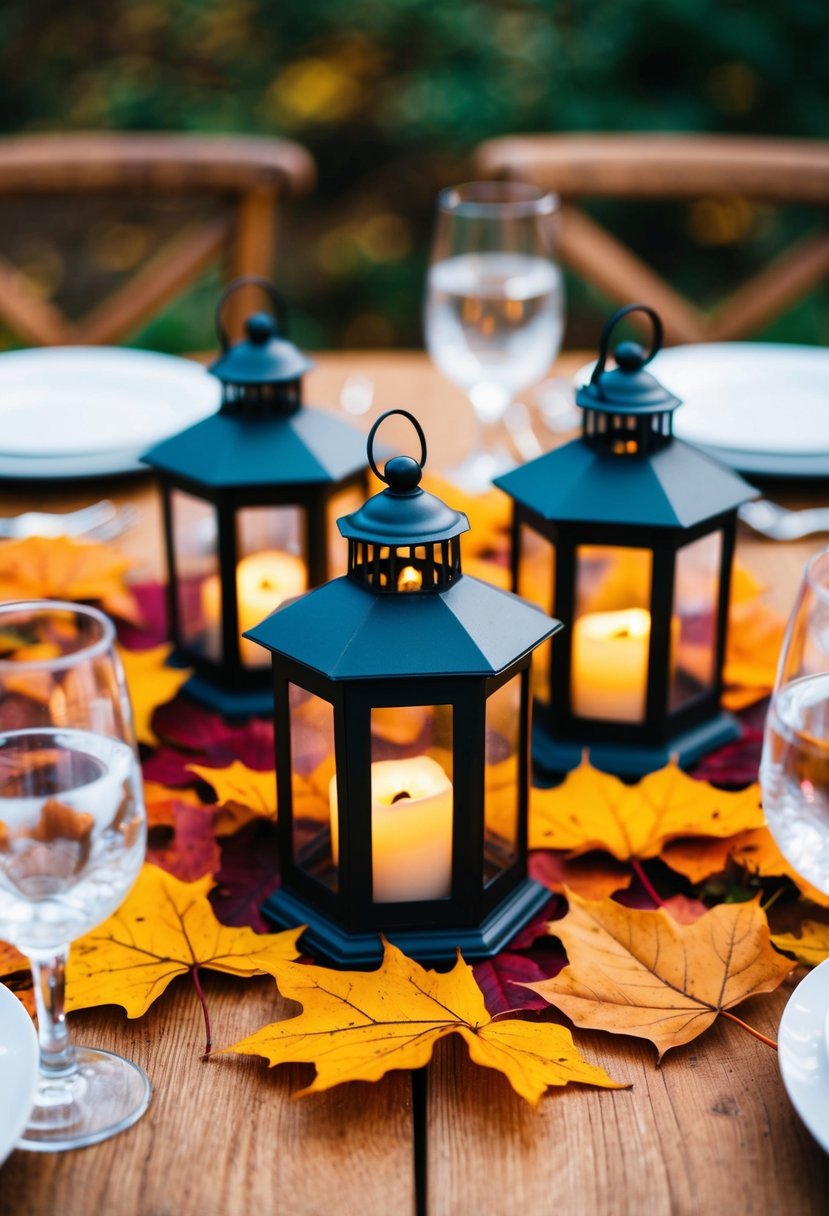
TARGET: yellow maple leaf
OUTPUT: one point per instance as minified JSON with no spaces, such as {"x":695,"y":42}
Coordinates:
{"x":59,"y":568}
{"x":357,"y":1026}
{"x":811,"y":947}
{"x":151,"y":683}
{"x":644,"y":974}
{"x":243,"y":793}
{"x":163,"y":929}
{"x":593,"y":810}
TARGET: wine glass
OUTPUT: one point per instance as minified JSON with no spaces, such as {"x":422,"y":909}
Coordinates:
{"x":794,"y":769}
{"x":494,"y":306}
{"x":72,"y":840}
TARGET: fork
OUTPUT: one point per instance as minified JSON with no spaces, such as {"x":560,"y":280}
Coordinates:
{"x":778,"y":523}
{"x":101,"y":520}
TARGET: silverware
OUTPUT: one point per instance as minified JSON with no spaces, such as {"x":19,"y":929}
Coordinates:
{"x":778,"y":523}
{"x":101,"y":521}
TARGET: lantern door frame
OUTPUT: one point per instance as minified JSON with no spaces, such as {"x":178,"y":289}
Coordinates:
{"x":629,"y":748}
{"x":477,"y":917}
{"x":228,"y":685}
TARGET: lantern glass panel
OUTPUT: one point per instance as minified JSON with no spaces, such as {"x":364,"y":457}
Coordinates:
{"x":313,"y":786}
{"x":272,"y":568}
{"x":694,"y":622}
{"x":502,"y":778}
{"x":197,"y":583}
{"x":344,"y":502}
{"x":536,"y":582}
{"x":611,"y":633}
{"x":412,"y":803}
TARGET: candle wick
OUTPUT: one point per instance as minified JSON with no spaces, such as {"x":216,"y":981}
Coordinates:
{"x":400,"y":796}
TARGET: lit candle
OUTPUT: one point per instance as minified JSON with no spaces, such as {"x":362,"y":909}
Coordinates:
{"x":263,"y":581}
{"x":609,"y":665}
{"x":411,"y":829}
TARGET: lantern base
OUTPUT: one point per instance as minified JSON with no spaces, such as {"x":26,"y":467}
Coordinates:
{"x":326,"y":939}
{"x":243,"y":703}
{"x":553,"y":756}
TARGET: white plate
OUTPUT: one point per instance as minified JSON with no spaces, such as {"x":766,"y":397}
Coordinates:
{"x":76,"y":411}
{"x":760,"y":407}
{"x":804,"y":1054}
{"x":18,"y":1069}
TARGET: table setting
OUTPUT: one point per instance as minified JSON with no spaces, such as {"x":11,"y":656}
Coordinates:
{"x":431,"y":792}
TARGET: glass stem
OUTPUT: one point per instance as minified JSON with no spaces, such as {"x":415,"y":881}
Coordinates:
{"x":57,"y":1057}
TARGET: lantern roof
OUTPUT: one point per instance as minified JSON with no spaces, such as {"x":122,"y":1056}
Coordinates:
{"x":345,"y":632}
{"x":229,"y":450}
{"x":403,"y":513}
{"x":674,"y":487}
{"x":262,"y":357}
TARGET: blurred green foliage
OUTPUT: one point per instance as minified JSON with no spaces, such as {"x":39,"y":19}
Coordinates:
{"x":391,"y":96}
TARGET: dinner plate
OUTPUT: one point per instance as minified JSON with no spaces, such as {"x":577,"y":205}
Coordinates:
{"x":760,"y":407}
{"x":84,"y":410}
{"x":804,"y":1052}
{"x":18,"y":1069}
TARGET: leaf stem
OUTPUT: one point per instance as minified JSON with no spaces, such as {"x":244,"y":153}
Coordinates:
{"x":205,"y":1012}
{"x":756,"y":1033}
{"x":650,"y":889}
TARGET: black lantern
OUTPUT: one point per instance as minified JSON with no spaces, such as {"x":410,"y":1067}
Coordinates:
{"x":628,"y":536}
{"x":401,"y":702}
{"x":250,"y":499}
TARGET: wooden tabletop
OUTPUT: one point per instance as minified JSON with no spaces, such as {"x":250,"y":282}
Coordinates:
{"x":711,"y":1131}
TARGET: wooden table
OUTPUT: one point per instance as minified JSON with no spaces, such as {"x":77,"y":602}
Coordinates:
{"x":711,"y":1131}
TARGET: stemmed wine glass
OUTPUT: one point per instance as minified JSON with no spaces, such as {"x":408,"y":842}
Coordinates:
{"x":494,"y":306}
{"x":72,"y":840}
{"x":794,"y":770}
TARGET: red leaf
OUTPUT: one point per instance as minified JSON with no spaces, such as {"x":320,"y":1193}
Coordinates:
{"x":498,"y":979}
{"x":248,"y":873}
{"x":192,"y":850}
{"x":152,"y":607}
{"x":186,"y":724}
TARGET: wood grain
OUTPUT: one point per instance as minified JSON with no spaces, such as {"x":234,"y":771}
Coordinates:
{"x":711,"y":1131}
{"x":224,"y":1136}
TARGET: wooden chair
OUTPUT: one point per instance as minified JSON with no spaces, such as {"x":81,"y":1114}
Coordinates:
{"x":234,"y":183}
{"x":679,"y":167}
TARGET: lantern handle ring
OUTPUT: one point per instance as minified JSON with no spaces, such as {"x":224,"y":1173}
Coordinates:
{"x":370,"y":441}
{"x":280,"y":309}
{"x":610,"y":325}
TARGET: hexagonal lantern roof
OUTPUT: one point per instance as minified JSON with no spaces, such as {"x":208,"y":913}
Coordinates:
{"x":675,"y":487}
{"x":346,"y":632}
{"x":243,"y":450}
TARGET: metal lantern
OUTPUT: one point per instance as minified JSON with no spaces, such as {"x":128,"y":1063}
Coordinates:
{"x":250,"y":499}
{"x":628,"y":536}
{"x":401,"y":703}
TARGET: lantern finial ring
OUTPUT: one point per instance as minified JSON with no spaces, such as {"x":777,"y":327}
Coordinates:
{"x":610,"y":325}
{"x":370,"y":444}
{"x":280,"y":310}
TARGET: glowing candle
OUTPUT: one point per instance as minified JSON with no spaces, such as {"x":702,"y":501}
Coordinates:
{"x":263,"y":581}
{"x":411,"y":829}
{"x":609,"y":665}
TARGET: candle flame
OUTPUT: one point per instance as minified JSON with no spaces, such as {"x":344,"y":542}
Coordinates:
{"x":409,"y":579}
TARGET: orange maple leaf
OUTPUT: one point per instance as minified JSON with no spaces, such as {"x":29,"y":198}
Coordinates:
{"x":755,"y":850}
{"x":644,"y":974}
{"x":60,"y":568}
{"x":163,"y":929}
{"x":16,"y":974}
{"x":357,"y":1026}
